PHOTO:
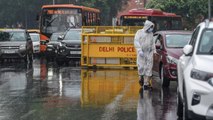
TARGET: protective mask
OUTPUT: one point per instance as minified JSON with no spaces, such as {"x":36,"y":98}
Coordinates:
{"x":150,"y":30}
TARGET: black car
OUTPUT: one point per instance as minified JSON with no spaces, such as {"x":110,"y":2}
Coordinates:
{"x":15,"y":44}
{"x":53,"y":45}
{"x":70,"y":47}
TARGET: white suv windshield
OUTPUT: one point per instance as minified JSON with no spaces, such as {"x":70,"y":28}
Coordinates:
{"x":206,"y":42}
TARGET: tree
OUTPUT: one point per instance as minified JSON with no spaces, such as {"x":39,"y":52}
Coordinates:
{"x":108,"y":8}
{"x":192,"y":11}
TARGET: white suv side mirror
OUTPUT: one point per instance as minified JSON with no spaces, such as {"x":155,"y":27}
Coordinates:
{"x":187,"y":49}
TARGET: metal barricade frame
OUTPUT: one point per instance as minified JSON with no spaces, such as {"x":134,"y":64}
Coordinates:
{"x":108,"y":46}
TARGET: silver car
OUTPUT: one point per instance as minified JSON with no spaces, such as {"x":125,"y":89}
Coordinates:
{"x":15,"y":44}
{"x":36,"y":42}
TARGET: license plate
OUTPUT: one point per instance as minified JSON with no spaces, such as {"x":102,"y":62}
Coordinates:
{"x":9,"y":51}
{"x":75,"y":52}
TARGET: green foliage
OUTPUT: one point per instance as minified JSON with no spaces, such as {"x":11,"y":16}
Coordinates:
{"x":190,"y":10}
{"x":109,"y":8}
{"x":13,"y":12}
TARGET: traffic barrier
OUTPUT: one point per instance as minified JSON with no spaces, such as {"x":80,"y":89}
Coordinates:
{"x":108,"y":46}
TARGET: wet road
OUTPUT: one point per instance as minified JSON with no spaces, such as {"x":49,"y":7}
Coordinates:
{"x":45,"y":91}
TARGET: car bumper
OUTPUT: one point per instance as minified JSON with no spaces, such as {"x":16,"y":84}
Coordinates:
{"x":69,"y":54}
{"x":171,"y":72}
{"x":51,"y":52}
{"x":203,"y":106}
{"x":12,"y":54}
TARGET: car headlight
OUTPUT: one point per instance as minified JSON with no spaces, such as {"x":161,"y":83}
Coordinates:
{"x":171,"y":60}
{"x":201,"y":75}
{"x":49,"y":45}
{"x":62,"y":50}
{"x":62,"y":44}
{"x":22,"y":47}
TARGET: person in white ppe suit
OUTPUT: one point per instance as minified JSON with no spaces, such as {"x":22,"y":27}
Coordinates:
{"x":145,"y":48}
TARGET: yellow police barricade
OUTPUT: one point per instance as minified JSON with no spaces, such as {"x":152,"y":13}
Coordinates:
{"x":108,"y":46}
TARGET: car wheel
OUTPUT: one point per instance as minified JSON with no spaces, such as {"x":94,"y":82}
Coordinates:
{"x":179,"y":106}
{"x":164,"y":81}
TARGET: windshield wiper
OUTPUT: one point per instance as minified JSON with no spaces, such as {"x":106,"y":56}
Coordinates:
{"x":52,"y":21}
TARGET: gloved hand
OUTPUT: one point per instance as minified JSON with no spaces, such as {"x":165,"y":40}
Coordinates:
{"x":140,"y":52}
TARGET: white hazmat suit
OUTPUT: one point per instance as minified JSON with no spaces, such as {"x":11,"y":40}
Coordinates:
{"x":145,"y":48}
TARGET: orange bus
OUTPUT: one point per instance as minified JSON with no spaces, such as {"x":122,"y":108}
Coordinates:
{"x":61,"y":17}
{"x":162,"y":20}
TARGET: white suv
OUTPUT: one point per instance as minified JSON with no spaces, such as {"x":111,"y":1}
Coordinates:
{"x":195,"y":75}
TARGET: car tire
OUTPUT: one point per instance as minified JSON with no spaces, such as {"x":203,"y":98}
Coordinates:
{"x":164,"y":81}
{"x":179,"y":106}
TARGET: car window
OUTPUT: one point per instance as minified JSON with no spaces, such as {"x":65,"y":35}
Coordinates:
{"x":73,"y":35}
{"x":12,"y":36}
{"x":158,"y":41}
{"x":177,"y":40}
{"x":155,"y":37}
{"x":4,"y":36}
{"x":54,"y":36}
{"x":194,"y":36}
{"x":35,"y":37}
{"x":206,"y":42}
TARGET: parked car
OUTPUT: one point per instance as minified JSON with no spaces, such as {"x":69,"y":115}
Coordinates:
{"x":70,"y":47}
{"x":53,"y":45}
{"x":169,"y":46}
{"x":195,"y":75}
{"x":36,"y":42}
{"x":15,"y":44}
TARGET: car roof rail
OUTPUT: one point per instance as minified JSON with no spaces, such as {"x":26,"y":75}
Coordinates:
{"x":207,"y":23}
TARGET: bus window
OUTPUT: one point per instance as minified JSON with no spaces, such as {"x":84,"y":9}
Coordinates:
{"x":176,"y":24}
{"x":73,"y":21}
{"x":133,"y":21}
{"x":59,"y":18}
{"x":167,"y":23}
{"x":163,"y":20}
